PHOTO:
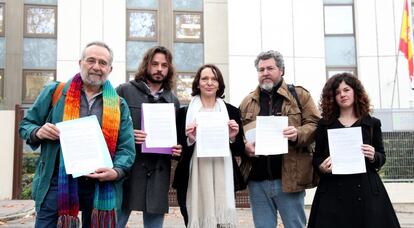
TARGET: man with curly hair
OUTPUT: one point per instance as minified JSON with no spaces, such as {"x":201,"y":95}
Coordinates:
{"x":278,"y":182}
{"x":147,"y":187}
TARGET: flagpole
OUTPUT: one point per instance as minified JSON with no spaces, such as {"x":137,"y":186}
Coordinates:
{"x":397,"y":57}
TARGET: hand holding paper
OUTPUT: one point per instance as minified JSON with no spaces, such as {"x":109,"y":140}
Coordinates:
{"x":212,"y":135}
{"x":269,"y":135}
{"x":83,"y":145}
{"x":191,"y":132}
{"x":176,"y":150}
{"x":48,"y":131}
{"x":104,"y":174}
{"x":345,"y":149}
{"x":233,"y":129}
{"x":158,"y":122}
{"x":326,"y":165}
{"x":139,"y":136}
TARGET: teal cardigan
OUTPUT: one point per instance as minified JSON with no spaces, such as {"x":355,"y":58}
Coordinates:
{"x":42,"y":112}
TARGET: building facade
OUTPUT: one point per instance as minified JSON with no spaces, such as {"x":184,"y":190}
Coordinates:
{"x":41,"y":41}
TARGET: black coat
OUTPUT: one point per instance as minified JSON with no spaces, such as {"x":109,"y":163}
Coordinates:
{"x":181,"y":176}
{"x":148,"y":184}
{"x":357,"y":200}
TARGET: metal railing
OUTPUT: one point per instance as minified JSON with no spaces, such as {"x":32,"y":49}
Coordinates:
{"x":399,"y":150}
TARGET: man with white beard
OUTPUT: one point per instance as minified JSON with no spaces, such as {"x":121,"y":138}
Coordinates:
{"x":278,"y":182}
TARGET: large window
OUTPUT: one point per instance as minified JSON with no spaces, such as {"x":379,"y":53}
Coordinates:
{"x":39,"y":47}
{"x":40,"y":21}
{"x":33,"y":82}
{"x":188,"y":44}
{"x":184,"y":84}
{"x":188,"y":27}
{"x":340,"y":51}
{"x":142,"y":25}
{"x":176,"y":24}
{"x":142,"y":32}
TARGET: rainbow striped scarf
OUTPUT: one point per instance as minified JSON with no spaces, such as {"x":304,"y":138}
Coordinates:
{"x":103,"y":214}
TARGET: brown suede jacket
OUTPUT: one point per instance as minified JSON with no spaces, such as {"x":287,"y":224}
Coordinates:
{"x":297,"y":170}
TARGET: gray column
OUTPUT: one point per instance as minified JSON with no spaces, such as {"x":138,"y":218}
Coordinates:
{"x":14,"y":11}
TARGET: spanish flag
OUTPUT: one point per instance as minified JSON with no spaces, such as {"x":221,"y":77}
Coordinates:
{"x":406,"y":43}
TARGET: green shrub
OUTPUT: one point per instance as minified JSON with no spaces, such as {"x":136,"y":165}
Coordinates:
{"x":29,"y":162}
{"x":27,"y":180}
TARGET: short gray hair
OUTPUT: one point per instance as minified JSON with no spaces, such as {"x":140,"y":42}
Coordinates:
{"x":100,"y":44}
{"x":280,"y":63}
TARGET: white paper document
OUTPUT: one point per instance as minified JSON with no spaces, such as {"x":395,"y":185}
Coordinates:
{"x":83,"y":146}
{"x":345,"y":150}
{"x":269,"y":135}
{"x":250,"y":132}
{"x":250,"y":135}
{"x":212,"y":135}
{"x":159,"y":124}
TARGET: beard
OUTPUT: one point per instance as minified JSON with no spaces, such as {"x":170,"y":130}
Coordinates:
{"x":153,"y":78}
{"x":268,"y":86}
{"x":87,"y":79}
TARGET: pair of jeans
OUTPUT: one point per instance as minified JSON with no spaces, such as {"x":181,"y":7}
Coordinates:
{"x":267,"y":198}
{"x":47,"y":216}
{"x":151,"y":220}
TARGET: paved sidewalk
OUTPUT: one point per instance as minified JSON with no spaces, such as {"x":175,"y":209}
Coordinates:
{"x":11,"y":210}
{"x":20,"y":214}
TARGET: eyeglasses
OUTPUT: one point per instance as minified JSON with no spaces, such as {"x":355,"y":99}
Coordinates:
{"x":206,"y":80}
{"x":92,"y":61}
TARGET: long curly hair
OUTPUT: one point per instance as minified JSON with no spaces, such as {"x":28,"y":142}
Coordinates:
{"x":142,"y":73}
{"x":328,"y":105}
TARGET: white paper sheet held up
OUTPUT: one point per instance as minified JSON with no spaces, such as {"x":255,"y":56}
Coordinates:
{"x":250,"y":135}
{"x":212,"y":135}
{"x":83,"y":146}
{"x":250,"y":132}
{"x":159,"y":124}
{"x":345,"y":150}
{"x":269,"y":135}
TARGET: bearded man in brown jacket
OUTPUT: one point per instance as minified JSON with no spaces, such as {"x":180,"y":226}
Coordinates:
{"x":278,"y":182}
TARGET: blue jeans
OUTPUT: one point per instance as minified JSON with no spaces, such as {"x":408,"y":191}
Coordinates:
{"x":47,"y":216}
{"x":267,"y":197}
{"x":150,"y":220}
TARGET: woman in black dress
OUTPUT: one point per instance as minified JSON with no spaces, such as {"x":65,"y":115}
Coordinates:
{"x":351,"y":200}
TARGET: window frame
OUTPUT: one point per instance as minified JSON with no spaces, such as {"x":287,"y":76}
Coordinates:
{"x":190,"y":73}
{"x":128,"y":36}
{"x":187,"y":40}
{"x":339,"y":5}
{"x":352,"y":68}
{"x":39,"y":35}
{"x":355,"y":51}
{"x":3,"y":24}
{"x":24,"y":77}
